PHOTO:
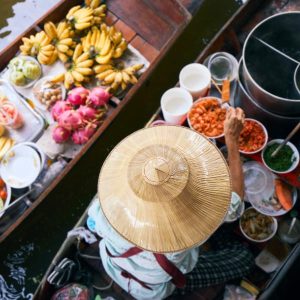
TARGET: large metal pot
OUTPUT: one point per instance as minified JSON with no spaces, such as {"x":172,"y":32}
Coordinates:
{"x":278,"y":126}
{"x":268,"y":75}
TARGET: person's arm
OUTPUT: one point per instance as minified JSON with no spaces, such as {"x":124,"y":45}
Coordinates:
{"x":232,"y":128}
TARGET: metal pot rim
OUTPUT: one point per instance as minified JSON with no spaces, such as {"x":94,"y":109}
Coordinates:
{"x":244,"y":89}
{"x":245,"y":66}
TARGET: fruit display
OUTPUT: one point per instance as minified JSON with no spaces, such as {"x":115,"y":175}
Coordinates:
{"x":79,"y":116}
{"x":115,"y":78}
{"x":82,"y":41}
{"x":207,"y":116}
{"x":48,"y":92}
{"x":24,"y":70}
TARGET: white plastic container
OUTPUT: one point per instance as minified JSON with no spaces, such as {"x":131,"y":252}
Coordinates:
{"x":196,"y":79}
{"x":175,"y":104}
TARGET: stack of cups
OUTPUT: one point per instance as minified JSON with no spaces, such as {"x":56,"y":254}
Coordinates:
{"x":194,"y":82}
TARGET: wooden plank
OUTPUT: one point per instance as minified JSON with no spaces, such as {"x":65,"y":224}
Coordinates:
{"x":128,"y":33}
{"x":146,"y":49}
{"x":110,"y":19}
{"x":143,"y":19}
{"x":172,"y":11}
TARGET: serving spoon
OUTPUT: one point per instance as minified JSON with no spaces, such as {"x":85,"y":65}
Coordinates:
{"x":291,"y":134}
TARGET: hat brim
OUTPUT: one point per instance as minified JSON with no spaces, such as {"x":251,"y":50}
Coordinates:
{"x":181,"y":210}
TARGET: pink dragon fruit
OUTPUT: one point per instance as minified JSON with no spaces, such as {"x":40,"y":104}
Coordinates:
{"x":58,"y":108}
{"x":78,"y":96}
{"x":99,"y":97}
{"x":60,"y":134}
{"x":87,"y":113}
{"x":82,"y":135}
{"x":70,"y":120}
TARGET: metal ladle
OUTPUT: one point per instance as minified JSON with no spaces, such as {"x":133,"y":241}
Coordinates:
{"x":291,"y":134}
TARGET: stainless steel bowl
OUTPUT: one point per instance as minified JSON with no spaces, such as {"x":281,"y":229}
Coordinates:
{"x":268,"y":75}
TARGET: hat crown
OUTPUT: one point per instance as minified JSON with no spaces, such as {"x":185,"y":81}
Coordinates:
{"x":158,"y":173}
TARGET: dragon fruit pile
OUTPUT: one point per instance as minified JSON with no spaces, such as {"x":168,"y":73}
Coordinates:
{"x":79,"y":116}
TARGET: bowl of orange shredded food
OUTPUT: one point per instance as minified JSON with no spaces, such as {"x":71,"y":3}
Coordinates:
{"x":207,"y":116}
{"x":253,"y":138}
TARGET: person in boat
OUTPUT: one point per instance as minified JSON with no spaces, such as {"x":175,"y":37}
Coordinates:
{"x":150,"y":245}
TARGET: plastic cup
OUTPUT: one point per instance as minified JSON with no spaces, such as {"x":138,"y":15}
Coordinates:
{"x":196,"y":79}
{"x":222,"y":66}
{"x":175,"y":104}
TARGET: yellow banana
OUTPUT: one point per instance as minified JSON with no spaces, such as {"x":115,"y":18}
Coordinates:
{"x":77,"y":52}
{"x":107,"y":46}
{"x":95,"y":3}
{"x":63,"y":57}
{"x":85,"y":20}
{"x":77,"y":76}
{"x":61,"y":27}
{"x":85,"y":71}
{"x":133,"y":79}
{"x":50,"y":30}
{"x":81,"y":26}
{"x":103,"y":74}
{"x":85,"y":64}
{"x":62,"y":48}
{"x":118,"y":77}
{"x":102,"y":68}
{"x":67,"y":42}
{"x":110,"y":78}
{"x":123,"y":85}
{"x":84,"y":56}
{"x":58,"y":78}
{"x":126,"y":77}
{"x":103,"y":60}
{"x":72,"y":11}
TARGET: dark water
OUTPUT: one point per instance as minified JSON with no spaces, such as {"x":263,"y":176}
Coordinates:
{"x":17,"y":15}
{"x":38,"y":238}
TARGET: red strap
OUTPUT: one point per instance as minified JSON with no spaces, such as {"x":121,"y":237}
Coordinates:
{"x":130,"y":252}
{"x":129,"y":276}
{"x":178,"y":277}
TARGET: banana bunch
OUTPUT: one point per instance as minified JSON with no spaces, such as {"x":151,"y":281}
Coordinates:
{"x":115,"y":78}
{"x":61,"y":38}
{"x":40,"y":46}
{"x":5,"y":144}
{"x":80,"y":17}
{"x":78,"y":71}
{"x":104,"y":43}
{"x":99,"y":11}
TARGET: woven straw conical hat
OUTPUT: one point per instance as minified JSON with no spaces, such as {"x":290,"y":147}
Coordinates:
{"x":165,"y":188}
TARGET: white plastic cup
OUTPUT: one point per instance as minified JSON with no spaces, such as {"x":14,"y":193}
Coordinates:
{"x":196,"y":79}
{"x":175,"y":104}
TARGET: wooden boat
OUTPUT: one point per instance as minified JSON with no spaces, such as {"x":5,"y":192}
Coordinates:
{"x":133,"y":18}
{"x":230,"y":38}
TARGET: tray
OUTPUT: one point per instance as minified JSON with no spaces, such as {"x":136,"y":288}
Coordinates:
{"x":33,"y":123}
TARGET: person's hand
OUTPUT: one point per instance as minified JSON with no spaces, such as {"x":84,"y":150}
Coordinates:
{"x":233,"y":125}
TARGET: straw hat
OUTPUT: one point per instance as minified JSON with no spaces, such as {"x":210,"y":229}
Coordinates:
{"x":165,"y":188}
